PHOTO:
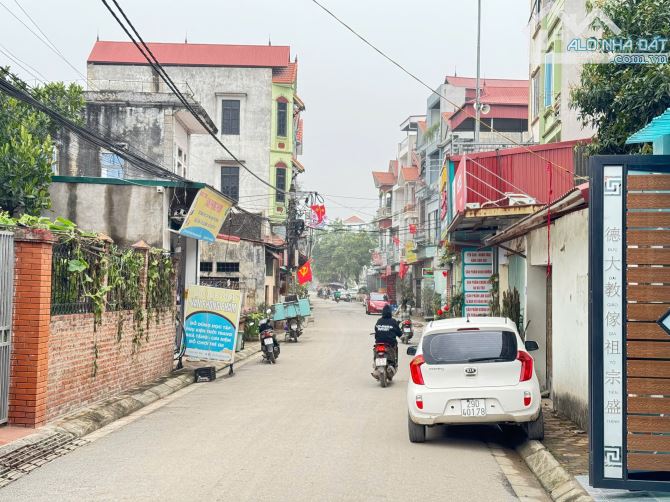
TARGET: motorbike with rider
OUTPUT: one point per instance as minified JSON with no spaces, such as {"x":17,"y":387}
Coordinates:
{"x":385,"y":351}
{"x":404,"y":312}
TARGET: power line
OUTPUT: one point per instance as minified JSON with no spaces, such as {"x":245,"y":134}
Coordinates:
{"x":156,"y":65}
{"x":424,"y":84}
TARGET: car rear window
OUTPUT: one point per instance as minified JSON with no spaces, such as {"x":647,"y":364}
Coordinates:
{"x":377,"y":297}
{"x":469,"y":346}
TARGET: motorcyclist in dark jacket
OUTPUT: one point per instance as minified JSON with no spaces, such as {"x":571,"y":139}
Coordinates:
{"x":387,"y":328}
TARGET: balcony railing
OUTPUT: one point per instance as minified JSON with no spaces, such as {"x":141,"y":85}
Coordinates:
{"x":460,"y":147}
{"x":383,"y":213}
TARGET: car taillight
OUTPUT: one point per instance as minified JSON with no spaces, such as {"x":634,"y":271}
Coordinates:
{"x":527,"y":398}
{"x":526,"y":366}
{"x":415,"y":369}
{"x":419,"y":402}
{"x":380,"y":348}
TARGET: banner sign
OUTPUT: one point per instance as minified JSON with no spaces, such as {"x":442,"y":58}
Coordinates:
{"x":477,"y":272}
{"x":460,"y":188}
{"x":427,"y":272}
{"x":206,"y":215}
{"x":211,"y":318}
{"x":410,"y":253}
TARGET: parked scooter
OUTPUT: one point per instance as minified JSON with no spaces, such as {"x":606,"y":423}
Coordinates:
{"x":269,"y":343}
{"x":385,"y":363}
{"x":293,"y":329}
{"x":407,"y":331}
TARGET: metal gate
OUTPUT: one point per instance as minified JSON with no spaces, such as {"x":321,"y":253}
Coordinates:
{"x":6,"y":295}
{"x":629,"y":339}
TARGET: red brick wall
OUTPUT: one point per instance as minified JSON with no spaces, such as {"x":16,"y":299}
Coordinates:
{"x":71,"y":382}
{"x":30,"y":326}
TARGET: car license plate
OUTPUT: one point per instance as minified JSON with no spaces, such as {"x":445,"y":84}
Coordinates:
{"x":268,"y":341}
{"x":473,"y":407}
{"x":380,"y":361}
{"x":407,"y":330}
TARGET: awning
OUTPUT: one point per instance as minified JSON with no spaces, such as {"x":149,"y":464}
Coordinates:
{"x":489,"y":218}
{"x":298,"y":102}
{"x":574,"y":200}
{"x":297,"y":165}
{"x":660,"y":126}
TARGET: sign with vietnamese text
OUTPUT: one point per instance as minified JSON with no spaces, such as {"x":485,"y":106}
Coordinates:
{"x":460,"y":188}
{"x":477,"y":272}
{"x":211,"y":318}
{"x":206,"y":215}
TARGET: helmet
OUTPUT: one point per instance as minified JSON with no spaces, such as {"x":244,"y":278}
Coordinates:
{"x":386,"y":311}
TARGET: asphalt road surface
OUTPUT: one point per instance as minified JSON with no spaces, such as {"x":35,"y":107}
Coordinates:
{"x":315,"y":426}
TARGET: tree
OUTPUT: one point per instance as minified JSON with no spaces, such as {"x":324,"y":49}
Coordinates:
{"x":619,"y":99}
{"x":26,"y":144}
{"x":340,"y":254}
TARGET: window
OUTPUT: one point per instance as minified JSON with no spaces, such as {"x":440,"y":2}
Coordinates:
{"x":535,"y":95}
{"x":206,"y":266}
{"x":269,"y":266}
{"x":230,"y":182}
{"x":230,"y":117}
{"x":181,"y":162}
{"x":111,"y":165}
{"x":227,"y":266}
{"x":282,"y":118}
{"x":548,"y":79}
{"x":468,"y":346}
{"x":280,"y":183}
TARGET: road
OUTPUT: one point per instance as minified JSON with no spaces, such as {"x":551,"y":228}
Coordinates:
{"x":315,"y":426}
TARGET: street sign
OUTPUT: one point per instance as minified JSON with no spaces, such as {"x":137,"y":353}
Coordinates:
{"x":629,"y":327}
{"x":427,"y":272}
{"x":206,"y":215}
{"x":477,"y":272}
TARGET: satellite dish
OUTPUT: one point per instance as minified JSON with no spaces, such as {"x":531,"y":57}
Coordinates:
{"x":486,"y":109}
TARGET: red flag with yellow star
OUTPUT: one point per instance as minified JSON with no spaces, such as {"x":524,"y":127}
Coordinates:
{"x":305,"y":273}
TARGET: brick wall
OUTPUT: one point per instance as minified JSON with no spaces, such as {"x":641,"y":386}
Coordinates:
{"x":71,"y":380}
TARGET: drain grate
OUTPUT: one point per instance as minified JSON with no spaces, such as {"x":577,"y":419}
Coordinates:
{"x":21,"y":461}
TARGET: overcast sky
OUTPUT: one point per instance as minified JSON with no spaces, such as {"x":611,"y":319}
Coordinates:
{"x":355,"y":99}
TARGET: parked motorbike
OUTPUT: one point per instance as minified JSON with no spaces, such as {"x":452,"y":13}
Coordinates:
{"x":269,"y":346}
{"x":384,"y":364}
{"x":407,"y":331}
{"x":293,"y":329}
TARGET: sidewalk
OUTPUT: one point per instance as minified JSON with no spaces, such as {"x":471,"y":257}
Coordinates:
{"x":23,"y":450}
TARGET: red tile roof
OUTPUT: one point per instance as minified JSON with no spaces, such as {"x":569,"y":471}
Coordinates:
{"x":495,"y":82}
{"x":286,"y":74}
{"x":269,"y":56}
{"x":383,"y":178}
{"x":353,"y":220}
{"x":410,"y":173}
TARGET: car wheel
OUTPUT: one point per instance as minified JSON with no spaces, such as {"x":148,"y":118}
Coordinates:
{"x":535,"y":429}
{"x":417,"y":432}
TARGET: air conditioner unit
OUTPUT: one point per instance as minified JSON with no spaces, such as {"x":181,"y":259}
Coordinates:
{"x":473,"y":205}
{"x":516,"y":199}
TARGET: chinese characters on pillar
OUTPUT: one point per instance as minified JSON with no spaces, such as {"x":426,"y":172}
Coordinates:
{"x":613,"y":319}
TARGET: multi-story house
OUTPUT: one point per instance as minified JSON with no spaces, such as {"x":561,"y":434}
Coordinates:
{"x":250,"y":93}
{"x":553,"y":70}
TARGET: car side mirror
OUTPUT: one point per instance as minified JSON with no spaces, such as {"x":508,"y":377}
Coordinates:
{"x":411,"y":350}
{"x":531,"y":345}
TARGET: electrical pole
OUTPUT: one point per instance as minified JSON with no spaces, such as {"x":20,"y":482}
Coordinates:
{"x":478,"y":95}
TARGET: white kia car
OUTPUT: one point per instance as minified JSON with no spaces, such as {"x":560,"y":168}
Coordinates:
{"x":473,"y":371}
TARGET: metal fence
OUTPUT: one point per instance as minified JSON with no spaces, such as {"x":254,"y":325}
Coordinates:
{"x":220,"y":282}
{"x":68,"y":290}
{"x":6,"y":295}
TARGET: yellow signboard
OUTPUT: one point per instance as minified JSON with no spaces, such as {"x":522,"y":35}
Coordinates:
{"x":207,"y":214}
{"x":443,"y":178}
{"x":212,"y":316}
{"x":410,"y":254}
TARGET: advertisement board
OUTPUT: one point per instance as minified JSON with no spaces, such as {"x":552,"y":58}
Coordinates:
{"x":460,"y":188}
{"x":206,"y":215}
{"x":477,"y":272}
{"x":211,"y":318}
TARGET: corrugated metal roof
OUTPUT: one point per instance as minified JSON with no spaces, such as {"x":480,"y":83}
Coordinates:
{"x":496,"y":82}
{"x":270,"y":56}
{"x":521,"y":170}
{"x":659,"y":126}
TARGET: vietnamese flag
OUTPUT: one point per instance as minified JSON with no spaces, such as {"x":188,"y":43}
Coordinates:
{"x":305,"y":273}
{"x":319,"y":211}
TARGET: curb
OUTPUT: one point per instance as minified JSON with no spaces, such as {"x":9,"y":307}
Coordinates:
{"x":559,"y":483}
{"x":98,"y":415}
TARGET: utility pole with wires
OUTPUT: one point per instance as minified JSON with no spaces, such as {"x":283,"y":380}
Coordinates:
{"x":478,"y":94}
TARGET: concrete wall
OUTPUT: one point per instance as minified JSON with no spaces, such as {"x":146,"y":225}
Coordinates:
{"x":250,"y":256}
{"x":252,"y":86}
{"x":569,"y":257}
{"x":126,"y":213}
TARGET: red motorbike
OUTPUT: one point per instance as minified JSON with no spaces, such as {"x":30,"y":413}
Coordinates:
{"x":385,"y":364}
{"x":407,"y":331}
